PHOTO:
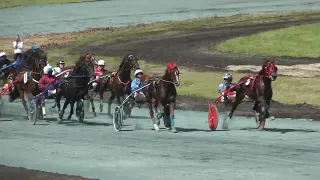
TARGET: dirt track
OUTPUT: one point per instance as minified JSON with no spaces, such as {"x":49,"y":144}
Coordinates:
{"x":186,"y":49}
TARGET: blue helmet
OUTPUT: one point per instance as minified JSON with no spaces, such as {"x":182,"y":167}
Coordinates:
{"x":34,"y":48}
{"x":227,"y":76}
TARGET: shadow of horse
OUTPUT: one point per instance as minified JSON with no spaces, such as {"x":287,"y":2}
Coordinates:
{"x":282,"y":131}
{"x":180,"y":129}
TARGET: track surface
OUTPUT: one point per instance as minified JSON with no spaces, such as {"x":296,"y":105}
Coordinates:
{"x":288,"y":149}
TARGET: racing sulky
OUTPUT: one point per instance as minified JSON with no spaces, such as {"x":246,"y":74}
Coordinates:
{"x":258,"y":88}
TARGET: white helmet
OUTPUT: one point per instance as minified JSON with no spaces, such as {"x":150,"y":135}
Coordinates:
{"x":3,"y":54}
{"x":138,"y":71}
{"x":47,"y":69}
{"x":101,"y":63}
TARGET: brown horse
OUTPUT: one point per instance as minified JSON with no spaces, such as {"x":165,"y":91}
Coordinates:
{"x":257,"y":88}
{"x":119,"y":84}
{"x":164,"y":92}
{"x":28,"y":73}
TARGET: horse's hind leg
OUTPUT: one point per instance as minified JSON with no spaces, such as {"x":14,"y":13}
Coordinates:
{"x":63,"y":109}
{"x":239,"y":97}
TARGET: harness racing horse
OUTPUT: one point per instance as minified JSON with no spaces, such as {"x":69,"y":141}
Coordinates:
{"x":257,"y":88}
{"x":75,"y":87}
{"x":164,"y":92}
{"x":65,"y":74}
{"x":27,"y":74}
{"x":119,"y":84}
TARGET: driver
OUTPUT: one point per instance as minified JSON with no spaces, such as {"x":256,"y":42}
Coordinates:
{"x":224,"y":86}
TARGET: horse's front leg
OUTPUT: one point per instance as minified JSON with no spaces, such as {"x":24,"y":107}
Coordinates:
{"x":71,"y":109}
{"x":24,"y":102}
{"x":57,"y":102}
{"x":156,"y":127}
{"x":112,"y":97}
{"x":63,"y":109}
{"x":101,"y":92}
{"x":263,"y":112}
{"x":173,"y":129}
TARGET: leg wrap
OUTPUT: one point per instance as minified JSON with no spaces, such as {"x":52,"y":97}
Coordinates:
{"x":264,"y":114}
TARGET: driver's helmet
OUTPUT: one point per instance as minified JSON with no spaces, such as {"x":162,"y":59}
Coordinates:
{"x":34,"y":48}
{"x":2,"y":54}
{"x":227,"y":77}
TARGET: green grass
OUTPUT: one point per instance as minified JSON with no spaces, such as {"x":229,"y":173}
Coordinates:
{"x":296,"y":41}
{"x":289,"y":90}
{"x":140,"y":31}
{"x":15,"y":3}
{"x":202,"y":84}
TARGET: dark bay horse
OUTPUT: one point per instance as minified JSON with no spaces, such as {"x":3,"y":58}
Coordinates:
{"x":164,"y":92}
{"x":119,"y":84}
{"x":257,"y":88}
{"x":27,"y":73}
{"x":75,"y":87}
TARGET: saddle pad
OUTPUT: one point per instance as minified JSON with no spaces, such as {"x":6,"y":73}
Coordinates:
{"x":25,"y":77}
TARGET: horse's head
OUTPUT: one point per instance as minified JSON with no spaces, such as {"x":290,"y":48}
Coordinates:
{"x":35,"y":58}
{"x":129,"y":62}
{"x":173,"y":73}
{"x":86,"y":64}
{"x":269,"y":70}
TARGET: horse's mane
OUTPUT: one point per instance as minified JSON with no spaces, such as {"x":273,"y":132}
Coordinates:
{"x":263,"y":66}
{"x":124,"y":59}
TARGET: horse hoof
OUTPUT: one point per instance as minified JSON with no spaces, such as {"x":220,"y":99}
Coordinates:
{"x":95,"y":114}
{"x":156,"y":127}
{"x":59,"y":120}
{"x":261,"y":125}
{"x":69,"y":118}
{"x":174,"y":130}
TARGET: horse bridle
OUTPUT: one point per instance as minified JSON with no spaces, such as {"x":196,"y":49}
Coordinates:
{"x":269,"y":69}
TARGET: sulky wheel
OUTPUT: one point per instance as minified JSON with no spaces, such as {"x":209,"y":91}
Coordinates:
{"x":33,"y":112}
{"x":118,"y":118}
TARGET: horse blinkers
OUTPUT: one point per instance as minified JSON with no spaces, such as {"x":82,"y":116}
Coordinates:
{"x":271,"y":70}
{"x":174,"y":72}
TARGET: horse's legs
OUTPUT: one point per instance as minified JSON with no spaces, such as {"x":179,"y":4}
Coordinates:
{"x":90,"y":97}
{"x":24,"y":102}
{"x":239,"y":97}
{"x":57,"y":102}
{"x":263,"y":110}
{"x":173,"y":129}
{"x":63,"y":109}
{"x":156,"y":127}
{"x":101,"y":91}
{"x":112,"y":97}
{"x":71,"y":109}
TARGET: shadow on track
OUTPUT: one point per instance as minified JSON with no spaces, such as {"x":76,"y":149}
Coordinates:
{"x":194,"y":129}
{"x":282,"y":131}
